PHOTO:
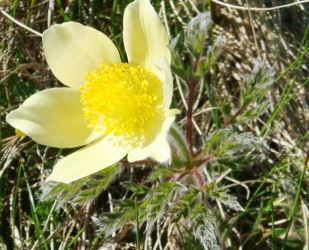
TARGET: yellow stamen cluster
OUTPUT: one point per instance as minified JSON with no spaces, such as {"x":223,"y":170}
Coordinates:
{"x":124,"y":100}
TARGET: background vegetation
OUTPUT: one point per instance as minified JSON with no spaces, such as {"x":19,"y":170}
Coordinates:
{"x":239,"y":177}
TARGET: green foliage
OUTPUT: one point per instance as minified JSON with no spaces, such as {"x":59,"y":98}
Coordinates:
{"x":228,"y":144}
{"x":168,"y":201}
{"x":82,"y":191}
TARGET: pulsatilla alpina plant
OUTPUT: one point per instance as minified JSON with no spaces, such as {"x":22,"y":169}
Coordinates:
{"x":112,"y":108}
{"x":227,"y":184}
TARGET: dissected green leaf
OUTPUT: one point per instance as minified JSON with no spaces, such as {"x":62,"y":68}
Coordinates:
{"x":80,"y":191}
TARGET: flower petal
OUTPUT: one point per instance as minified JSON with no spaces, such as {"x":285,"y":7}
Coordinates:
{"x":53,"y":117}
{"x":159,"y":150}
{"x":72,"y":50}
{"x":86,"y":161}
{"x":146,"y":42}
{"x":165,"y":75}
{"x":145,"y":38}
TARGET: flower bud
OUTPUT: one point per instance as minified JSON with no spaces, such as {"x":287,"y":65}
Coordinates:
{"x":197,"y":32}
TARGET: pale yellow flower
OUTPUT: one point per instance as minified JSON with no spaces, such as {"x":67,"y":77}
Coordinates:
{"x":115,"y":109}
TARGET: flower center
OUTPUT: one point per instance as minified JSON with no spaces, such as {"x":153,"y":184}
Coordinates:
{"x":124,"y":100}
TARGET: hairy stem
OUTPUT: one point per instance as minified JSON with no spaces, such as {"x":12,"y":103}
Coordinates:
{"x":189,"y":127}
